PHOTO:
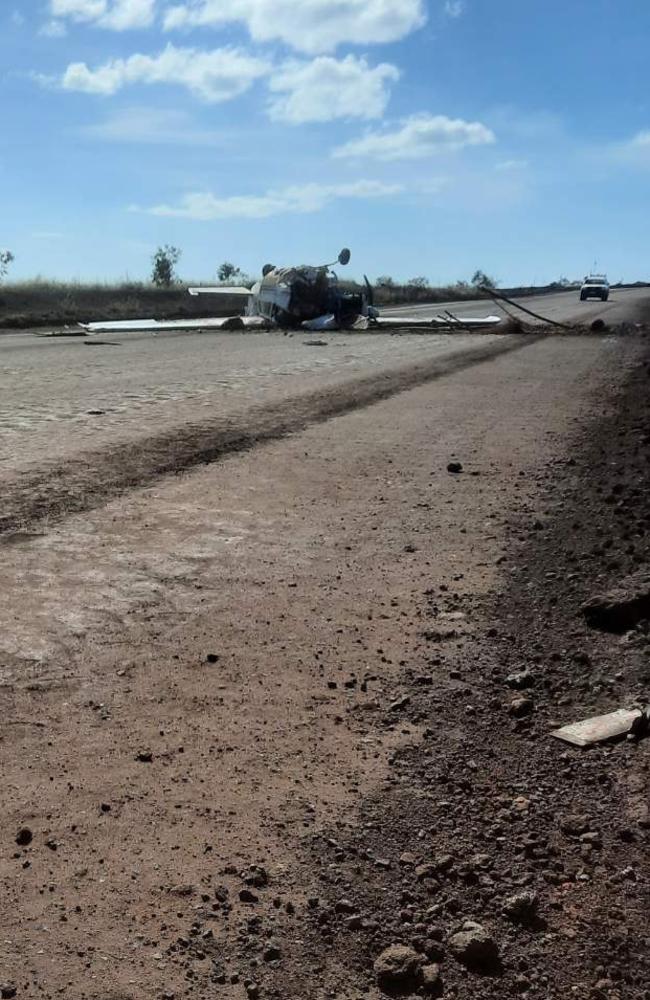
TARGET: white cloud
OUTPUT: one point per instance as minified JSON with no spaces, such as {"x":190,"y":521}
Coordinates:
{"x":47,"y":235}
{"x":300,"y":199}
{"x":216,"y":75}
{"x":641,"y":140}
{"x":117,"y":15}
{"x":309,"y":25}
{"x":454,"y":8}
{"x":53,"y":29}
{"x":151,"y":126}
{"x":511,"y":165}
{"x":419,"y":136}
{"x":634,"y":152}
{"x":327,"y":88}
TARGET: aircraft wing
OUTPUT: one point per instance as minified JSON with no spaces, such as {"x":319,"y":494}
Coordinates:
{"x":442,"y":322}
{"x":178,"y":325}
{"x":220,"y":290}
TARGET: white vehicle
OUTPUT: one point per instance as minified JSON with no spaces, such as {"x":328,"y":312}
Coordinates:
{"x":595,"y":286}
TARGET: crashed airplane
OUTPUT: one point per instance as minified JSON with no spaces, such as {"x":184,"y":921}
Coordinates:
{"x":289,"y":297}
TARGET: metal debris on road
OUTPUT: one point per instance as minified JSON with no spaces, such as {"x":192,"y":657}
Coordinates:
{"x":601,"y":728}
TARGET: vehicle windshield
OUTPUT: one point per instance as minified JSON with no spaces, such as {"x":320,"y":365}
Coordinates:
{"x":595,"y":281}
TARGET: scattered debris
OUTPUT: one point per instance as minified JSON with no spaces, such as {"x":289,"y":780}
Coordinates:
{"x":601,"y":728}
{"x":500,"y":297}
{"x":182,"y":890}
{"x":327,"y":322}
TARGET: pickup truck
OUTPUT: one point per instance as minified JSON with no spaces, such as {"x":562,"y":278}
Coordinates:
{"x":595,"y":286}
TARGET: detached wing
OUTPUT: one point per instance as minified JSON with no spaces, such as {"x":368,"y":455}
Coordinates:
{"x":220,"y":290}
{"x":437,"y":322}
{"x":178,"y":325}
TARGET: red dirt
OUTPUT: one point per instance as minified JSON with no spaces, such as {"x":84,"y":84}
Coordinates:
{"x":296,"y":659}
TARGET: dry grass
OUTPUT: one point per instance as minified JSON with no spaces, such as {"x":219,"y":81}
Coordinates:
{"x":50,"y":303}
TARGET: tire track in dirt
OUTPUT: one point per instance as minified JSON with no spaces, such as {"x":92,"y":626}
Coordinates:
{"x":58,"y":490}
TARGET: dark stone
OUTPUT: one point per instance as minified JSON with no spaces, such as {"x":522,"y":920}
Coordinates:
{"x":474,"y":947}
{"x":522,"y":907}
{"x":520,"y":707}
{"x":431,"y":979}
{"x":272,"y":952}
{"x":24,"y":837}
{"x":398,"y":966}
{"x":519,"y":681}
{"x":255,"y":876}
{"x":621,"y":608}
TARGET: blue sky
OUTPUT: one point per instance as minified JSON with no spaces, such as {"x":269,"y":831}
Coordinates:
{"x":431,"y":136}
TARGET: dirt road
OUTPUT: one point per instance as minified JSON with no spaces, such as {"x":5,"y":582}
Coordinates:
{"x":242,"y":706}
{"x":61,"y":397}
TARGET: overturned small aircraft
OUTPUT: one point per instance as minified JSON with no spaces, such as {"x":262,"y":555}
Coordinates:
{"x":289,"y":297}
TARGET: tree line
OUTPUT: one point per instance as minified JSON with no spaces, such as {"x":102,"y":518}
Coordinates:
{"x":164,"y":274}
{"x":167,"y":257}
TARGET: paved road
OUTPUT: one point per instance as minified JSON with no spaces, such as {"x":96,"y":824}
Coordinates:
{"x":563,"y":306}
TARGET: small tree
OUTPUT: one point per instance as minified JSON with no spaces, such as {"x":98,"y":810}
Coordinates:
{"x":228,"y":271}
{"x":164,"y":262}
{"x":385,"y":281}
{"x":6,"y":258}
{"x":418,"y":283}
{"x":481,"y":278}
